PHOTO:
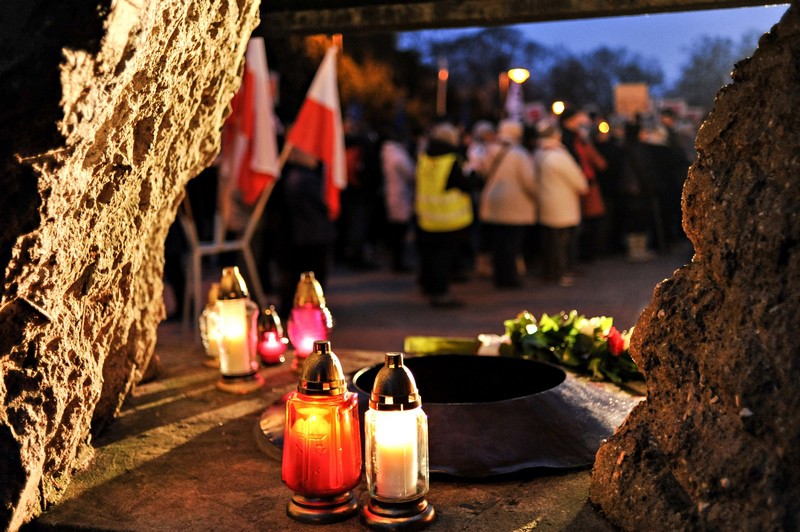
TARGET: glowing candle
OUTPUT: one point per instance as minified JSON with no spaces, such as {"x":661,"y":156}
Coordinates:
{"x":234,"y":352}
{"x":396,"y":457}
{"x":209,"y":327}
{"x":271,"y":348}
{"x":321,"y":460}
{"x":271,"y":342}
{"x":310,"y":320}
{"x":236,"y":326}
{"x":396,"y":453}
{"x":209,"y":331}
{"x":307,"y":325}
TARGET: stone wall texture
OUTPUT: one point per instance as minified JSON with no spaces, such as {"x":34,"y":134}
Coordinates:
{"x":108,"y":109}
{"x":716,"y":445}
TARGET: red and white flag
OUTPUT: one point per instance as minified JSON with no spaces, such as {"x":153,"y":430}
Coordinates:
{"x":318,"y":130}
{"x":250,"y":152}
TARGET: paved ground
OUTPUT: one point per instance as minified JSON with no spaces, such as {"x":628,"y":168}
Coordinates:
{"x":185,"y":456}
{"x":376,"y":310}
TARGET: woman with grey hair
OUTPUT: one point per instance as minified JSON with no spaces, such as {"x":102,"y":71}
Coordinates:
{"x":508,"y":202}
{"x":561,"y":184}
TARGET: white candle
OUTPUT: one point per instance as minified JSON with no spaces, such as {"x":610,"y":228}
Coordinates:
{"x":213,"y":332}
{"x":233,"y":349}
{"x":396,"y":459}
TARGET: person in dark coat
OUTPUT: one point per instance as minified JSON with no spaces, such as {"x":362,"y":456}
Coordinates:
{"x":298,"y":227}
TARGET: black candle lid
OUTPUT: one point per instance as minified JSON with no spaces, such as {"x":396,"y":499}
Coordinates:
{"x":322,"y":372}
{"x":394,"y":388}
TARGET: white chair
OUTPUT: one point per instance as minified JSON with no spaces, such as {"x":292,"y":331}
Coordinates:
{"x":193,"y":300}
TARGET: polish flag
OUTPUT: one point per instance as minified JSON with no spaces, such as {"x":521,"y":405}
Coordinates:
{"x":318,"y":130}
{"x":252,"y":147}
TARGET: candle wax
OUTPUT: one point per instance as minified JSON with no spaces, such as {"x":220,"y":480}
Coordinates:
{"x":396,"y":459}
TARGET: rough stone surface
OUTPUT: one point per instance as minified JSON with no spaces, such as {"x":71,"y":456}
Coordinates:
{"x":109,"y":108}
{"x":716,"y":444}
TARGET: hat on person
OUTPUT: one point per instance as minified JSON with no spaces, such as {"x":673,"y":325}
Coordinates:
{"x":509,"y":131}
{"x":482,"y":128}
{"x":447,"y":133}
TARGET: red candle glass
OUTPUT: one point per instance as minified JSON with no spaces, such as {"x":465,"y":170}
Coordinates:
{"x":322,"y":442}
{"x":271,"y":342}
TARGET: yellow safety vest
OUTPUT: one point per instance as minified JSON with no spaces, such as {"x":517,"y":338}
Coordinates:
{"x":440,"y":210}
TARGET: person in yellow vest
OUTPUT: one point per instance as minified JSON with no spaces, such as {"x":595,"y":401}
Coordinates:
{"x":444,"y":213}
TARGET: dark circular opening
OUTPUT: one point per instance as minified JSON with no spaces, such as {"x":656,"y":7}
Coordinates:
{"x":471,"y":379}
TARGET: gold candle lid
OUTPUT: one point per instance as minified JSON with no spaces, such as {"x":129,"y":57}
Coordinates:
{"x":395,"y":387}
{"x":232,"y":285}
{"x":309,"y":291}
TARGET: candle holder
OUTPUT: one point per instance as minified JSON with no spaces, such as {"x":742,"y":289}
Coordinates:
{"x":208,"y":323}
{"x":396,"y":454}
{"x":310,"y":320}
{"x":322,"y":442}
{"x":272,"y":343}
{"x":237,"y":326}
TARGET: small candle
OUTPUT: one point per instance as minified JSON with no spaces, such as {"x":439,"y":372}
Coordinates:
{"x":233,"y":348}
{"x":396,"y":459}
{"x":212,"y":334}
{"x":271,"y":347}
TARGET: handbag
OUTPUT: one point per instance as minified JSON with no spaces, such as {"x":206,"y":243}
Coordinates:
{"x":592,"y":204}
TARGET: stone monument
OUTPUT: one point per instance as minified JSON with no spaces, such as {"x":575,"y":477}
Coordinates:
{"x":716,"y":445}
{"x":109,"y":108}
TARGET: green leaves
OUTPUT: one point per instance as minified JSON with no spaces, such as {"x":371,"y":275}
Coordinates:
{"x":572,"y":340}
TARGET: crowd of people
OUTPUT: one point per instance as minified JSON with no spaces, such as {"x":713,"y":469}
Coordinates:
{"x":502,"y":201}
{"x":505,"y":201}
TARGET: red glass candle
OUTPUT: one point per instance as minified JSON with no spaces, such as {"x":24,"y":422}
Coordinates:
{"x":322,"y":442}
{"x":271,"y":342}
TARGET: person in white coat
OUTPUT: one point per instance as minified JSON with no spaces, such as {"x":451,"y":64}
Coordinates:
{"x":508,"y":202}
{"x":561,"y":184}
{"x":398,"y":173}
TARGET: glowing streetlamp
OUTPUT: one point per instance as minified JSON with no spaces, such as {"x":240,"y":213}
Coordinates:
{"x":558,"y":107}
{"x":515,"y":100}
{"x":519,"y":75}
{"x":441,"y":87}
{"x":396,"y":451}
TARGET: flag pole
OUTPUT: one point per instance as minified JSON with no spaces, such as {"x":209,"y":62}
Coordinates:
{"x":287,"y":147}
{"x":258,"y":210}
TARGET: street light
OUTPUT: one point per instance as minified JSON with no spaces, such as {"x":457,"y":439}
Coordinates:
{"x":441,"y":87}
{"x":519,"y":75}
{"x":515,"y":101}
{"x":558,"y":107}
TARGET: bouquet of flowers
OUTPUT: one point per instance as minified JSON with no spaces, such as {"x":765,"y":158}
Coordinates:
{"x":585,"y":345}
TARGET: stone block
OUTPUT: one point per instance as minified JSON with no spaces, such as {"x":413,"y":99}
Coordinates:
{"x":109,"y":109}
{"x":715,"y":445}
